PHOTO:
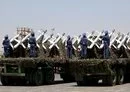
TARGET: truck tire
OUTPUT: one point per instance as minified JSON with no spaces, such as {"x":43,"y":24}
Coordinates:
{"x":23,"y":81}
{"x":49,"y":76}
{"x":80,"y":83}
{"x":29,"y":76}
{"x":38,"y":77}
{"x":92,"y":81}
{"x":111,"y":79}
{"x":68,"y":78}
{"x":127,"y":78}
{"x":5,"y":81}
{"x":120,"y":77}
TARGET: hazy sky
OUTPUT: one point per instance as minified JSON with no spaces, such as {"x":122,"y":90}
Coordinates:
{"x":69,"y":16}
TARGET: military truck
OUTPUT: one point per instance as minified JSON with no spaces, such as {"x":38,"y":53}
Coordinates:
{"x":95,"y":69}
{"x":19,"y":68}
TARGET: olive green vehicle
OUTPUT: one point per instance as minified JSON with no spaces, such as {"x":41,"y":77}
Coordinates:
{"x":20,"y":69}
{"x":112,"y":71}
{"x":31,"y":71}
{"x":96,"y":69}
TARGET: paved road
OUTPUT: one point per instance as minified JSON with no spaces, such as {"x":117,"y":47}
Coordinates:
{"x":59,"y":86}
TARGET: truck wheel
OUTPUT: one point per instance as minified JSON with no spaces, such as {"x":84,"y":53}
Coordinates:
{"x":29,"y":76}
{"x":21,"y":81}
{"x":127,"y":78}
{"x":4,"y":80}
{"x":49,"y":76}
{"x":67,"y":77}
{"x":38,"y":77}
{"x":92,"y":81}
{"x":80,"y":83}
{"x":111,"y":80}
{"x":120,"y":77}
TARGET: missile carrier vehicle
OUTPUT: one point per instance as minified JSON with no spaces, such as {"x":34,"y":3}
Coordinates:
{"x":51,"y":58}
{"x":19,"y":68}
{"x":95,"y":69}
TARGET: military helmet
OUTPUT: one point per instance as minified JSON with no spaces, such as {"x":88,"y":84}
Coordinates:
{"x":6,"y":36}
{"x":68,"y":37}
{"x":84,"y":34}
{"x":32,"y":34}
{"x":106,"y":32}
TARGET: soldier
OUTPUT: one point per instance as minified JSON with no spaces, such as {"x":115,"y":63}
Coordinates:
{"x":83,"y":43}
{"x":69,"y":47}
{"x":32,"y":42}
{"x":106,"y":42}
{"x":6,"y":44}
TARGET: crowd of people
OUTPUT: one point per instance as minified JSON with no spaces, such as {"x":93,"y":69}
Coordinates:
{"x":83,"y":44}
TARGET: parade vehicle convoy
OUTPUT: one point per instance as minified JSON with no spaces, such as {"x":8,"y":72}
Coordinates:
{"x":51,"y":58}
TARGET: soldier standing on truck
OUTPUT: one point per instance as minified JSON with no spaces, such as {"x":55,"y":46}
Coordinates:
{"x":6,"y":44}
{"x":83,"y":43}
{"x":106,"y":42}
{"x":69,"y":47}
{"x":32,"y":42}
